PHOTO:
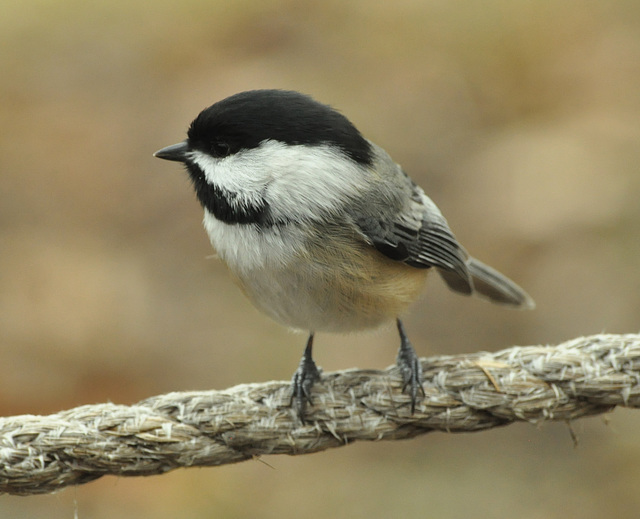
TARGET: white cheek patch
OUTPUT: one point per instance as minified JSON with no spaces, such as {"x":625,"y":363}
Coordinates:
{"x":232,"y":175}
{"x":312,"y":180}
{"x":295,"y":180}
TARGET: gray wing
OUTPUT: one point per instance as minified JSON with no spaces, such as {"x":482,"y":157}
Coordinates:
{"x":398,"y":219}
{"x":410,"y":228}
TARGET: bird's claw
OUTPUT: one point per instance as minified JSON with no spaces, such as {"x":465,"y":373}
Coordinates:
{"x":410,"y":368}
{"x":303,"y":380}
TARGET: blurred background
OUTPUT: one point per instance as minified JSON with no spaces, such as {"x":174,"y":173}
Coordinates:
{"x":520,"y":119}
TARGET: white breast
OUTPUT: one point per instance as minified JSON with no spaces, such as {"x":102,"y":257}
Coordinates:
{"x":247,"y":248}
{"x":328,"y":281}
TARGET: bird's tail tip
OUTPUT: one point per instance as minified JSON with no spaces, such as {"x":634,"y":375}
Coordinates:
{"x":492,"y":285}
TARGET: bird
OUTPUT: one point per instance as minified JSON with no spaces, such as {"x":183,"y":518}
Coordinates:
{"x":319,"y":227}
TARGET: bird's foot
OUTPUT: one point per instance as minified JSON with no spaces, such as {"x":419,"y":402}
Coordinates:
{"x":303,"y":380}
{"x":410,"y":368}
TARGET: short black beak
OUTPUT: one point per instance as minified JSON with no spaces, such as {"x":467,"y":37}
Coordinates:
{"x":176,"y":152}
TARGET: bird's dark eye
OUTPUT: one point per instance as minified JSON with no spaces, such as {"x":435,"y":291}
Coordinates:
{"x":220,"y":148}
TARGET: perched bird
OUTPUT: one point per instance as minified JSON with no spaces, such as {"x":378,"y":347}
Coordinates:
{"x":320,"y":228}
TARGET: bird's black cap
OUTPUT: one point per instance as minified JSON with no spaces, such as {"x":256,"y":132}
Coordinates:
{"x":244,"y":120}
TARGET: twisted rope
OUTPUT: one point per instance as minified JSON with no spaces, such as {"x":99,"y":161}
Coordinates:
{"x":464,"y":393}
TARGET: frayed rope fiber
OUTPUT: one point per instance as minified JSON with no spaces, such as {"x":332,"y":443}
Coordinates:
{"x":463,"y":393}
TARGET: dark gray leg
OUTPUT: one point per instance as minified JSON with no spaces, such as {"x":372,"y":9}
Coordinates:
{"x":410,"y":368}
{"x":303,"y":380}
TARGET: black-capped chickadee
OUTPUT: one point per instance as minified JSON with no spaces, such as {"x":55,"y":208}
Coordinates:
{"x":321,"y":229}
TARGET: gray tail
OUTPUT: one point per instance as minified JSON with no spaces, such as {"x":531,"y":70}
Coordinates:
{"x":494,"y":286}
{"x":489,"y":283}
